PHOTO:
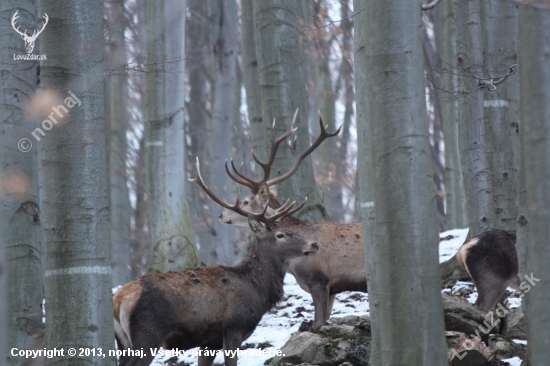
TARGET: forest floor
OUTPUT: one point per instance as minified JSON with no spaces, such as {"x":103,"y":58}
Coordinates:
{"x":281,"y":322}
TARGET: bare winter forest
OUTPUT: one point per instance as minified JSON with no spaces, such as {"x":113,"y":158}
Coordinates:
{"x":164,"y":165}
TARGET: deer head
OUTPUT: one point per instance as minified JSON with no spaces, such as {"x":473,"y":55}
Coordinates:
{"x":267,"y":218}
{"x":261,"y":198}
{"x":29,"y":40}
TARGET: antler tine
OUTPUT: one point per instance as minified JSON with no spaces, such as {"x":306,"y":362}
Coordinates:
{"x":275,"y":142}
{"x":254,"y":185}
{"x":244,"y":180}
{"x":200,"y":182}
{"x":283,"y":212}
{"x":235,"y":207}
{"x":298,"y":158}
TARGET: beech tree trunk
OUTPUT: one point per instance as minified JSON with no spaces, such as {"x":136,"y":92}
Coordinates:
{"x":405,"y":218}
{"x":251,"y":79}
{"x":534,"y":76}
{"x":79,"y":306}
{"x":169,"y":219}
{"x":117,"y":126}
{"x":224,"y":45}
{"x":455,"y":199}
{"x":364,"y":196}
{"x":473,"y":158}
{"x":21,"y":300}
{"x":283,"y":90}
{"x":499,"y":55}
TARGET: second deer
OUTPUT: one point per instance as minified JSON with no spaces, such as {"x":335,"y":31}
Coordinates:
{"x":340,"y":264}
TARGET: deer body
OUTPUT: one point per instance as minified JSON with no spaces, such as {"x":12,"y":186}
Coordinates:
{"x":215,"y":307}
{"x":492,"y":262}
{"x":338,"y":266}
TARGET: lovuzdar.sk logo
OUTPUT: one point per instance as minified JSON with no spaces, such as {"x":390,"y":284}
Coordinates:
{"x":29,"y":39}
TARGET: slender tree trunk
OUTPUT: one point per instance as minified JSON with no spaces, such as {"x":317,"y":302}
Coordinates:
{"x":364,"y":194}
{"x":342,"y":164}
{"x":117,"y":126}
{"x":455,"y":200}
{"x":224,"y":40}
{"x":197,"y":31}
{"x":499,"y":55}
{"x":20,"y":213}
{"x":251,"y":80}
{"x":169,"y":219}
{"x":283,"y":90}
{"x":435,"y":127}
{"x":75,"y":204}
{"x":475,"y":167}
{"x":405,"y":228}
{"x":534,"y":76}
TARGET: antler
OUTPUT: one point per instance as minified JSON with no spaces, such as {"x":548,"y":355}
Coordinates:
{"x":13,"y":19}
{"x":284,"y":210}
{"x":254,"y":185}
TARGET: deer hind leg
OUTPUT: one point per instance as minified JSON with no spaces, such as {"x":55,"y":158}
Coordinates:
{"x":490,"y":289}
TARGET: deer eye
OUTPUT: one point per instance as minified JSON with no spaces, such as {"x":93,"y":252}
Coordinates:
{"x":245,"y":203}
{"x":280,"y":236}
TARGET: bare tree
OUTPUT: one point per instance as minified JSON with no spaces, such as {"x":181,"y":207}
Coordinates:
{"x":499,"y":55}
{"x":475,"y":167}
{"x":169,"y":219}
{"x":251,"y":80}
{"x":224,"y":46}
{"x":117,"y":126}
{"x":282,"y":85}
{"x":20,"y":212}
{"x":534,"y":91}
{"x":364,"y":198}
{"x":405,"y":219}
{"x":455,"y":200}
{"x":75,"y":203}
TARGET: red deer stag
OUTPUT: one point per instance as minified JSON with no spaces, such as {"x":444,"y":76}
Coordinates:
{"x":340,"y":264}
{"x":211,"y":307}
{"x":492,"y":262}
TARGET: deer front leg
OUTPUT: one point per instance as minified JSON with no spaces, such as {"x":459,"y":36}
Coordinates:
{"x":231,"y":342}
{"x":322,"y":305}
{"x":205,"y":360}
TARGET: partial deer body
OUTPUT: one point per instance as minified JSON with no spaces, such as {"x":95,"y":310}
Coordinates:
{"x":340,"y":264}
{"x":492,"y":262}
{"x":215,"y":306}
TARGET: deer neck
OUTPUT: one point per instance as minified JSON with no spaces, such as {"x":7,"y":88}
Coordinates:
{"x":266,"y":273}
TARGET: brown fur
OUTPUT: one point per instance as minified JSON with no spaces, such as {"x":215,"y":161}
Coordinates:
{"x":491,"y":261}
{"x":215,"y":307}
{"x":339,"y":266}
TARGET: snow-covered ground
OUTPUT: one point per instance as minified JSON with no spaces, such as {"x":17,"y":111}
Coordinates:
{"x":277,"y":326}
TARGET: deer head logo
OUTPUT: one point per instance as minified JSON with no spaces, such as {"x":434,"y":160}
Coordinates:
{"x":29,"y":40}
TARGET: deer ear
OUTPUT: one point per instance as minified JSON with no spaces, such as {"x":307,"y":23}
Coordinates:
{"x":255,"y":225}
{"x":263,"y":192}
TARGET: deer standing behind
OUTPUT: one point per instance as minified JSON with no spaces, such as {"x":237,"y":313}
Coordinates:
{"x":340,"y":264}
{"x":210,"y":307}
{"x":492,"y":262}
